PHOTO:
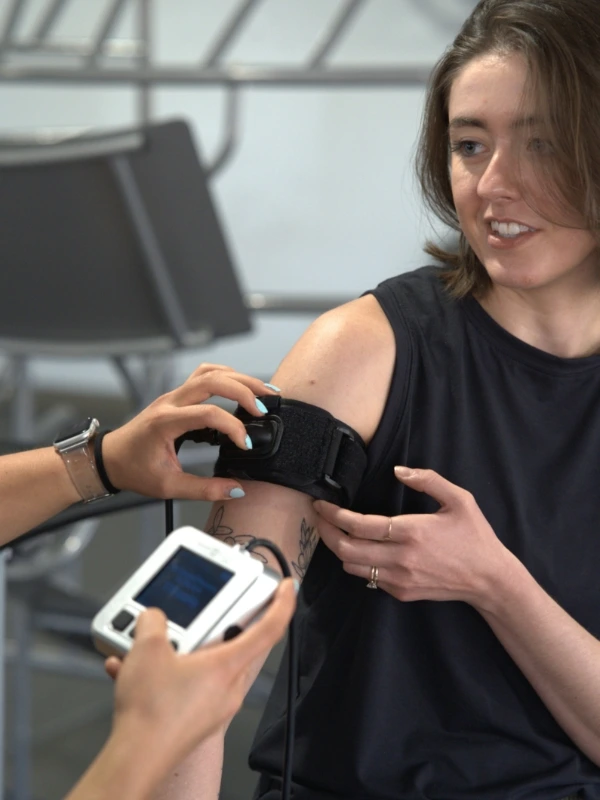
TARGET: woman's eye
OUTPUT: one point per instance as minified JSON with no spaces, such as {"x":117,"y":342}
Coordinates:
{"x":540,"y":146}
{"x":466,"y":148}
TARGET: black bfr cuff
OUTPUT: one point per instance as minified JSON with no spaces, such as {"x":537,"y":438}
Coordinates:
{"x":300,"y":446}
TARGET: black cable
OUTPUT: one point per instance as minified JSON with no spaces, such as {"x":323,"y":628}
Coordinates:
{"x":290,"y":726}
{"x":169,"y":523}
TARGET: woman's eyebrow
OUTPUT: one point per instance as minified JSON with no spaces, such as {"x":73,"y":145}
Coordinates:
{"x":474,"y":122}
{"x":466,"y":122}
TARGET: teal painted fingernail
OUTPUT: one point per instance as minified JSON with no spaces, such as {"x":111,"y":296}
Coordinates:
{"x":248,"y":443}
{"x":237,"y":492}
{"x":296,"y":585}
{"x":270,"y":386}
{"x":261,"y":406}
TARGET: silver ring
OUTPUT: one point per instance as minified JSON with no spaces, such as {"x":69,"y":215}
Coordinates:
{"x":372,"y":584}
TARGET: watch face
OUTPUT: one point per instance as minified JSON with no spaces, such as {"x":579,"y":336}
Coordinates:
{"x":74,"y":429}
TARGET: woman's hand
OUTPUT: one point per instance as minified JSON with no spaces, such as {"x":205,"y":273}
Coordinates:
{"x":165,"y":703}
{"x":184,"y":698}
{"x":451,"y":555}
{"x":140,"y":456}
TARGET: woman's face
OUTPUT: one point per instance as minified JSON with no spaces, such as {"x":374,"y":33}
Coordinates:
{"x":494,"y":150}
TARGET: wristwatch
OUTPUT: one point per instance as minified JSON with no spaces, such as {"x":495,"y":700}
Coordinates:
{"x":75,"y":445}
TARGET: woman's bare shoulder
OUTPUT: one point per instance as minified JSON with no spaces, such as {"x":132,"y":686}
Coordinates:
{"x":344,"y":364}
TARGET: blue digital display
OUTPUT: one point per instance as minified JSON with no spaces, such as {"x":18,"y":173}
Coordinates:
{"x":184,"y":586}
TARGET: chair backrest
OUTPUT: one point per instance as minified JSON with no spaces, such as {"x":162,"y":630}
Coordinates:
{"x":112,"y":244}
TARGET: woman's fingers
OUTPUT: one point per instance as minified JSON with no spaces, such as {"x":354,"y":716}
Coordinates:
{"x":433,"y":484}
{"x":151,"y":622}
{"x":350,"y":550}
{"x":238,"y":655}
{"x":185,"y":486}
{"x":191,"y":418}
{"x":365,"y":571}
{"x":112,"y":667}
{"x":380,"y":528}
{"x":243,"y":389}
{"x":262,"y":635}
{"x":204,"y":368}
{"x":360,"y":526}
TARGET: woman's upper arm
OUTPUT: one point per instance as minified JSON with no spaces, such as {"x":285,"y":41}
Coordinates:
{"x":344,"y":364}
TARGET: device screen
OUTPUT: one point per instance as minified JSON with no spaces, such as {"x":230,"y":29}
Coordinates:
{"x":184,"y":586}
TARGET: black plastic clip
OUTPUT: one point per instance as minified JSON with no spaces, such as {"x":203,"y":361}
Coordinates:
{"x":209,"y":436}
{"x":333,"y":452}
{"x":265,"y":433}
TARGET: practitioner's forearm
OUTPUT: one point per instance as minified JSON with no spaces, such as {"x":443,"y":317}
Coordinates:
{"x":34,"y":486}
{"x":127,"y":766}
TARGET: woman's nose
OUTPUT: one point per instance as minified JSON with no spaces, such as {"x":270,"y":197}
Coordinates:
{"x":500,"y":180}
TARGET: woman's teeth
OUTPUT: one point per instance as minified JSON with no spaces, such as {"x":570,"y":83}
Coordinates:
{"x":510,"y":230}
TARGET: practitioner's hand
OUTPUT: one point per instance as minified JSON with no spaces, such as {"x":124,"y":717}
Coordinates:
{"x":451,"y":555}
{"x":183,"y":698}
{"x":140,"y":456}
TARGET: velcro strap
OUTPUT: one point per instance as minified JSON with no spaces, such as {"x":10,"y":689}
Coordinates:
{"x":300,"y":446}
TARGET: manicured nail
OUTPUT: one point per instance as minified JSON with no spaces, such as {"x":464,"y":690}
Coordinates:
{"x":248,"y":443}
{"x":237,"y":492}
{"x":261,"y":406}
{"x":404,"y":472}
{"x":296,"y":585}
{"x":270,"y":386}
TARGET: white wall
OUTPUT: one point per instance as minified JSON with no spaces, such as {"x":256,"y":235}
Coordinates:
{"x":319,"y":196}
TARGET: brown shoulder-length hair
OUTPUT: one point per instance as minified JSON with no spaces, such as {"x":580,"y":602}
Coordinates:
{"x":560,"y":41}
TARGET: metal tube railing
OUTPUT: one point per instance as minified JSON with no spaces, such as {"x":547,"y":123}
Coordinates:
{"x":334,"y":33}
{"x":271,"y":303}
{"x":229,"y":32}
{"x":76,"y":48}
{"x":144,"y":96}
{"x":106,"y":27}
{"x":48,"y":20}
{"x":417,"y":75}
{"x":10,"y":24}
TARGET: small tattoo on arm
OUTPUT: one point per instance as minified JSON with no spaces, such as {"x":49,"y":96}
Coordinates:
{"x":308,"y":543}
{"x":227,"y":535}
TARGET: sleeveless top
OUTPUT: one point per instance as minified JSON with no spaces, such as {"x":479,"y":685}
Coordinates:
{"x":419,"y":700}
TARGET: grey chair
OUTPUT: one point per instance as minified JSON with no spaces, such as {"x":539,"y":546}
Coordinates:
{"x":112,"y":246}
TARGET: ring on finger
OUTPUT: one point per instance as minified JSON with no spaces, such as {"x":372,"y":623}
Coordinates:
{"x":388,"y":536}
{"x":372,"y":584}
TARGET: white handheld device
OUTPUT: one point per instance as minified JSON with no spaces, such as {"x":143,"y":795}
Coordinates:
{"x":208,"y":590}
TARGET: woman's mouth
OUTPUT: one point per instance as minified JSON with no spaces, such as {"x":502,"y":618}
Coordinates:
{"x":504,"y":235}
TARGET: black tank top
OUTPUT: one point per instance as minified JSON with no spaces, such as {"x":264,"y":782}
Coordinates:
{"x":419,"y":700}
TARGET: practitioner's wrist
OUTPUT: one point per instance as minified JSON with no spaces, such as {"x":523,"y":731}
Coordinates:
{"x":75,"y":445}
{"x":130,"y":765}
{"x":64,"y":488}
{"x":145,"y":746}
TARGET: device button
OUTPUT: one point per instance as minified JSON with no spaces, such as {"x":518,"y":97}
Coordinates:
{"x":122,"y":620}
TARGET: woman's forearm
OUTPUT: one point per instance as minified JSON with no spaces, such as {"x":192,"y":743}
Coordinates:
{"x":558,"y":656}
{"x":34,"y":486}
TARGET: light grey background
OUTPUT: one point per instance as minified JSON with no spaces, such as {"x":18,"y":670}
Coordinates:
{"x":319,"y":197}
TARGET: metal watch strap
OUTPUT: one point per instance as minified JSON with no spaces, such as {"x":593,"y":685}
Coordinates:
{"x":81,"y":466}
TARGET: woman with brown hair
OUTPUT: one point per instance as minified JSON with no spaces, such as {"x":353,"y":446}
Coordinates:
{"x":472,"y":671}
